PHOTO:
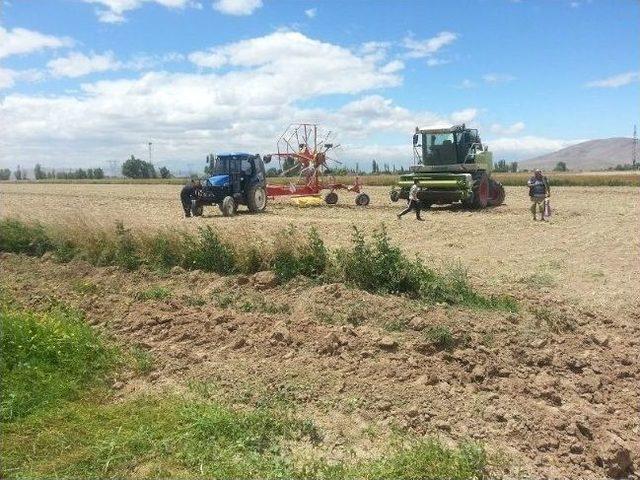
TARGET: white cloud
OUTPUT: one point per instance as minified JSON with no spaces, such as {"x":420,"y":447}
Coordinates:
{"x":237,"y":7}
{"x":527,"y":146}
{"x":392,"y":67}
{"x":434,"y":62}
{"x":9,"y":77}
{"x":507,"y":129}
{"x":466,"y":84}
{"x":187,"y":114}
{"x":299,"y":64}
{"x":464,"y":116}
{"x":615,"y":81}
{"x":22,"y":41}
{"x":430,"y":46}
{"x":113,"y":11}
{"x":497,"y":78}
{"x":311,"y":12}
{"x":77,"y":64}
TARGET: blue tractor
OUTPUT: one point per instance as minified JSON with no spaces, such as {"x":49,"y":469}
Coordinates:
{"x":235,"y":179}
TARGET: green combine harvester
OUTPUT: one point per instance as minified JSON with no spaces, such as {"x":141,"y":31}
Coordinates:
{"x":451,"y":165}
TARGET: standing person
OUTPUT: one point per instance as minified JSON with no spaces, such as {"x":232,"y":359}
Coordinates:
{"x":188,"y":193}
{"x":414,"y":202}
{"x":539,"y":191}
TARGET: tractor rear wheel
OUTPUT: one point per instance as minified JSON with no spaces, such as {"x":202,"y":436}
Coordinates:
{"x":331,"y":198}
{"x":481,"y":192}
{"x":256,"y":199}
{"x":496,"y":193}
{"x":228,"y":207}
{"x":362,"y":200}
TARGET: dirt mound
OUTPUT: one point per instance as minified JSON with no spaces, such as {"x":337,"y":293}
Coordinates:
{"x":555,"y":389}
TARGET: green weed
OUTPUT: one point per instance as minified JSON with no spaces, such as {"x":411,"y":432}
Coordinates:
{"x":154,"y":293}
{"x":84,"y":287}
{"x":46,"y":357}
{"x":441,"y":337}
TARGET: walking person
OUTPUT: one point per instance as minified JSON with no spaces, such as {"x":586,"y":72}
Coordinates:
{"x":539,"y":192}
{"x":187,"y":194}
{"x":414,"y":202}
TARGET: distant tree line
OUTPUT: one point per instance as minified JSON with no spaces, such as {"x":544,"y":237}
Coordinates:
{"x":78,"y":174}
{"x":136,"y":168}
{"x":502,"y":166}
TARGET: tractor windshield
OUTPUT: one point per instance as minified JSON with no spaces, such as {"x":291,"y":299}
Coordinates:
{"x":220,"y":166}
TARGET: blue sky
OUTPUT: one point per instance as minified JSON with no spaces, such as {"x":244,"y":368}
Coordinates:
{"x":83,"y":82}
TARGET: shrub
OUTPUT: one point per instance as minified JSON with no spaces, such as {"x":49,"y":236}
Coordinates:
{"x":293,"y":257}
{"x":441,"y":337}
{"x":126,"y":254}
{"x":207,"y":252}
{"x":378,"y":266}
{"x":20,"y":237}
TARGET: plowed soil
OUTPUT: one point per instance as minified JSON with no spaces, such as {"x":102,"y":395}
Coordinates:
{"x":552,"y":392}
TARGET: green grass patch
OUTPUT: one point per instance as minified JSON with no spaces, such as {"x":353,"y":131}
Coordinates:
{"x":154,"y":293}
{"x":45,"y":358}
{"x":174,"y":436}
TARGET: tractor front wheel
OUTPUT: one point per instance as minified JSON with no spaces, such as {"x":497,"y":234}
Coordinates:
{"x":362,"y":200}
{"x":256,"y":199}
{"x":394,"y":195}
{"x":228,"y":207}
{"x":331,"y":198}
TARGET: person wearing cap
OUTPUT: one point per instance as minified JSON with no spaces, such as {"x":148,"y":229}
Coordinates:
{"x":539,"y":191}
{"x":414,"y":202}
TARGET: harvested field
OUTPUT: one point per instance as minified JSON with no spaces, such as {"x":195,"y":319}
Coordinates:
{"x":551,"y":390}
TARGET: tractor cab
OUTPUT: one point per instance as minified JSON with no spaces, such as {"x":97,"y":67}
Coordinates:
{"x":234,"y":179}
{"x":234,"y":170}
{"x":457,"y":148}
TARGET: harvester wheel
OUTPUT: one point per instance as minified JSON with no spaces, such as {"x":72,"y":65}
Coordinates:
{"x":228,"y":207}
{"x":331,"y":198}
{"x":394,"y":195}
{"x":481,"y":192}
{"x":256,"y":199}
{"x":362,"y":200}
{"x":496,"y":193}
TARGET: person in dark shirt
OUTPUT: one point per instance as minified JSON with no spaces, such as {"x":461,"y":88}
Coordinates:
{"x":539,"y":192}
{"x":187,"y":194}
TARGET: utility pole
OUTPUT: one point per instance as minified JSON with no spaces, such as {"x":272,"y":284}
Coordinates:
{"x":113,"y":164}
{"x":634,"y":151}
{"x":150,"y":159}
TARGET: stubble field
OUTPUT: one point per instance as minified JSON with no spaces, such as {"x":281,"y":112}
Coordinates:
{"x":587,"y":253}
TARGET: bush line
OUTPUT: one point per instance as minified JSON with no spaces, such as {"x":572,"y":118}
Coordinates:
{"x":371,"y":264}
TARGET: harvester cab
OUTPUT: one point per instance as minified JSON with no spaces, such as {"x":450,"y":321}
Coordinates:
{"x":451,"y":165}
{"x":234,"y":179}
